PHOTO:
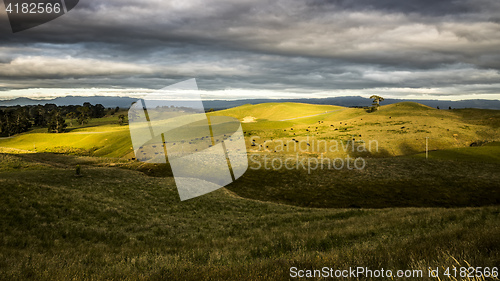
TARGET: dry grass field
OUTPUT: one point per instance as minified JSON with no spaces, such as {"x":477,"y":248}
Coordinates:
{"x":123,"y":220}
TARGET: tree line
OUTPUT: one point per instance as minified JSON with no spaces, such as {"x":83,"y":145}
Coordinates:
{"x":19,"y":119}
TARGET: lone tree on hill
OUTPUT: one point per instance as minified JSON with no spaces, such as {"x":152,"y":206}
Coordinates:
{"x":376,"y":102}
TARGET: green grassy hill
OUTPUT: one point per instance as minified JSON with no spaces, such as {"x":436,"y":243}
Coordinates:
{"x":403,"y":108}
{"x":101,"y":137}
{"x":399,"y":129}
{"x":277,"y":111}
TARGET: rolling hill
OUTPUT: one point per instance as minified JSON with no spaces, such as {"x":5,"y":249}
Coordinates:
{"x":122,"y":219}
{"x":101,"y":137}
{"x":277,"y":111}
{"x":399,"y":129}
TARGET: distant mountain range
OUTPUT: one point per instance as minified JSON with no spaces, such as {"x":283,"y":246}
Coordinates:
{"x":125,"y":102}
{"x":73,"y":100}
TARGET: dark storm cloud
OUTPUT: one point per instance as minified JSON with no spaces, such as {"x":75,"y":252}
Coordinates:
{"x":424,"y":7}
{"x":279,"y":45}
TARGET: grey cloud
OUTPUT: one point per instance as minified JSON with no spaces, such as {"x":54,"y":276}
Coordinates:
{"x":301,"y":45}
{"x":425,"y":7}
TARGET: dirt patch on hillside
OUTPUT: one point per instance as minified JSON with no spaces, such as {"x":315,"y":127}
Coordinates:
{"x":249,"y":119}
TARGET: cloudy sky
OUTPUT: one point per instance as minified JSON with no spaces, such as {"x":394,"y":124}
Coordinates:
{"x":427,"y":49}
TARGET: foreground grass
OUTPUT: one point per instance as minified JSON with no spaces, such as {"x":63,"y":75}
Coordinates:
{"x":122,"y":225}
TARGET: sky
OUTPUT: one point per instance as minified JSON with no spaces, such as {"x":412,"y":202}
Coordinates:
{"x":427,"y":49}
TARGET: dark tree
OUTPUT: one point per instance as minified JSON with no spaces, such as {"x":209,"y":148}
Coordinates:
{"x":84,"y":116}
{"x":4,"y":123}
{"x":71,"y":116}
{"x":121,"y":119}
{"x":98,"y":111}
{"x":376,"y":102}
{"x":57,"y":123}
{"x":49,"y":107}
{"x":14,"y":121}
{"x":22,"y":122}
{"x":38,"y":115}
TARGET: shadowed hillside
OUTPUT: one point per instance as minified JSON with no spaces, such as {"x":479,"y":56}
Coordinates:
{"x":117,"y":223}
